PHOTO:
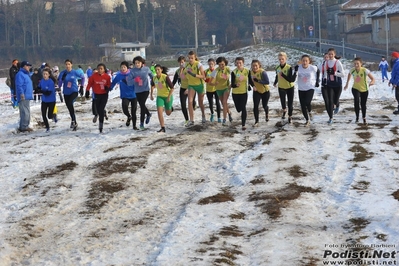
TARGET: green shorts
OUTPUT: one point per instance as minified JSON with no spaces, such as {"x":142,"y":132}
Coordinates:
{"x":161,"y":102}
{"x":198,"y":88}
{"x":221,"y":92}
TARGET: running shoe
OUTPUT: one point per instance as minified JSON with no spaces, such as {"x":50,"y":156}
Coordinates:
{"x":230,"y":117}
{"x":128,"y":121}
{"x":284,"y":113}
{"x":190,"y":124}
{"x":95,"y":118}
{"x":255,"y":125}
{"x":147,"y":119}
{"x":162,"y":130}
{"x":219,"y":120}
{"x":212,"y":118}
{"x":330,"y":121}
{"x":336,"y":110}
{"x":203,"y":120}
{"x":224,"y":123}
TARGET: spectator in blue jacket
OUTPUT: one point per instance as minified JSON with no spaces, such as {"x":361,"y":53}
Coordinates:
{"x":24,"y":90}
{"x":89,"y":71}
{"x":68,"y":79}
{"x":383,"y":66}
{"x":395,"y":78}
{"x":127,"y":94}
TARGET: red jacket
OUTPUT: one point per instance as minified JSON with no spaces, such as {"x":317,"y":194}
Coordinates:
{"x":99,"y":83}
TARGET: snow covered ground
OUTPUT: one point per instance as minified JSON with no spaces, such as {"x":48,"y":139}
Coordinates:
{"x":208,"y":195}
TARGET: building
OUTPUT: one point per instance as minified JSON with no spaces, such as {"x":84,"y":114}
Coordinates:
{"x":385,"y":26}
{"x":273,"y":27}
{"x":124,"y":51}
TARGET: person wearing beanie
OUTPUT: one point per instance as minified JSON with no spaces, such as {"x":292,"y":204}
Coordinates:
{"x":395,"y":78}
{"x":24,"y":91}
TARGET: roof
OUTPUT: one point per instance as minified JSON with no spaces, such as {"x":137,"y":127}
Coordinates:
{"x":366,"y":28}
{"x":363,"y":4}
{"x":125,"y":44}
{"x":392,"y":9}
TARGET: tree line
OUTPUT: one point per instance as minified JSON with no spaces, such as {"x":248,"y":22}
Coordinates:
{"x":33,"y":27}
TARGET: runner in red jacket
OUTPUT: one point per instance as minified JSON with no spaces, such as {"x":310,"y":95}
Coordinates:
{"x":100,"y":84}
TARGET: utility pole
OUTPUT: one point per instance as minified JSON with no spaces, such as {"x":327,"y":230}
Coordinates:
{"x":38,"y":30}
{"x":195,"y":27}
{"x":386,"y":30}
{"x":318,"y":2}
{"x":153,"y":29}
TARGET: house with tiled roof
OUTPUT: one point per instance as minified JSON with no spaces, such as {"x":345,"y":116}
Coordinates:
{"x":385,"y":26}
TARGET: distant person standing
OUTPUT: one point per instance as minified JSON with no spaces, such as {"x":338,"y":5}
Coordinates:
{"x":395,"y":78}
{"x":24,"y":90}
{"x":383,"y":66}
{"x":360,"y":88}
{"x":80,"y":72}
{"x":89,"y":71}
{"x":12,"y":72}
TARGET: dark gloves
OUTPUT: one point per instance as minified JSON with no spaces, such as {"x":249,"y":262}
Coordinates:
{"x":249,"y":88}
{"x":47,"y":93}
{"x":317,"y":84}
{"x":87,"y":94}
{"x":255,"y":79}
{"x":81,"y":90}
{"x":191,"y":73}
{"x":296,"y":68}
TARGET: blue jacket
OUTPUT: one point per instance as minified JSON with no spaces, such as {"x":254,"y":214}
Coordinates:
{"x":127,"y":92}
{"x":89,"y":72}
{"x":139,"y":76}
{"x":70,"y":81}
{"x":395,"y":73}
{"x":23,"y":85}
{"x":47,"y":85}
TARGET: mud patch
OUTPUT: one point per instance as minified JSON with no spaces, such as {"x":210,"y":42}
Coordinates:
{"x":169,"y":141}
{"x":313,"y":133}
{"x":238,"y":216}
{"x":396,"y":194}
{"x":295,"y":171}
{"x":268,"y":139}
{"x":55,"y":172}
{"x":361,"y":186}
{"x":392,"y":142}
{"x":365,"y":135}
{"x":272,"y":203}
{"x":119,"y":165}
{"x":356,"y":224}
{"x":114,"y":148}
{"x":223,"y":196}
{"x":309,"y":261}
{"x":360,"y":153}
{"x":257,"y":181}
{"x":100,"y":193}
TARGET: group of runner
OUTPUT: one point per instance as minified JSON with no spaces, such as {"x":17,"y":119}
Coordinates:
{"x":137,"y":83}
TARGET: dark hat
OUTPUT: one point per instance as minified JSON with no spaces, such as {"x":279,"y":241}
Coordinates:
{"x":25,"y":63}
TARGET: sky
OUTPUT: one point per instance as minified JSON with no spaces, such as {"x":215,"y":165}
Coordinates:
{"x":207,"y":195}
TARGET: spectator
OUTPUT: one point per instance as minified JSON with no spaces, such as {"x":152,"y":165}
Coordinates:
{"x":13,"y":71}
{"x":24,"y":90}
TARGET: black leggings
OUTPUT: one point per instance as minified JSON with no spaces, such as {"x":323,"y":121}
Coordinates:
{"x":69,"y":100}
{"x":209,"y":96}
{"x":49,"y":109}
{"x":133,"y":106}
{"x":142,"y":98}
{"x":397,"y":95}
{"x":328,"y":96}
{"x":101,"y":102}
{"x":183,"y":102}
{"x":337,"y":95}
{"x":305,"y":99}
{"x":363,"y":100}
{"x":240,"y":102}
{"x":290,"y":97}
{"x":265,"y":101}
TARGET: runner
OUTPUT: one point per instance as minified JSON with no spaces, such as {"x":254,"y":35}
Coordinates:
{"x":360,"y":88}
